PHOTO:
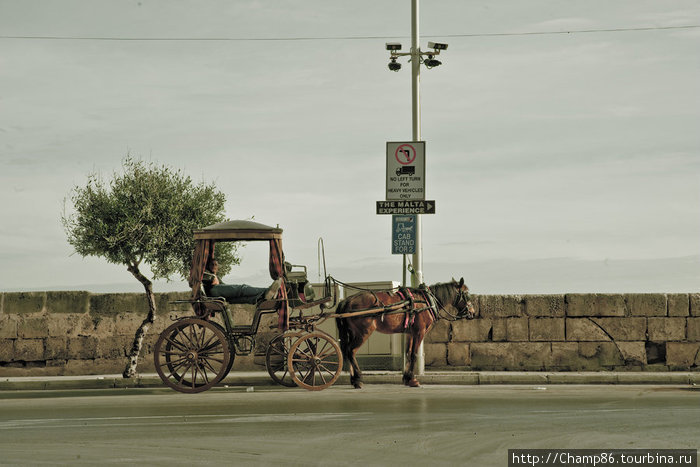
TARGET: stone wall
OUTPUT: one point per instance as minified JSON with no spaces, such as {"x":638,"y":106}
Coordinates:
{"x":79,"y":333}
{"x":572,"y":332}
{"x":69,"y":333}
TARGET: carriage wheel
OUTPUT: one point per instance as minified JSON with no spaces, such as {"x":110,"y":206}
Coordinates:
{"x":276,"y":358}
{"x":315,"y":361}
{"x":192,"y":355}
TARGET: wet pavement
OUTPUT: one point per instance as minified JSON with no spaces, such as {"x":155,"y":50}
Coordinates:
{"x":379,"y":425}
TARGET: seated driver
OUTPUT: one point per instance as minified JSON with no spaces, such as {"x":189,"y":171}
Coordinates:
{"x":236,"y":293}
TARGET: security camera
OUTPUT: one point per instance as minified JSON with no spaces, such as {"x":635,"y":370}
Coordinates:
{"x":437,"y":46}
{"x":393,"y":46}
{"x":430,"y":62}
{"x":393,"y":65}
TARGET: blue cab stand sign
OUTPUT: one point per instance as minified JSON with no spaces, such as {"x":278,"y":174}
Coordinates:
{"x":403,"y":234}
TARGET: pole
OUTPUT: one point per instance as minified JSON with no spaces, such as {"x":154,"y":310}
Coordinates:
{"x":417,"y":275}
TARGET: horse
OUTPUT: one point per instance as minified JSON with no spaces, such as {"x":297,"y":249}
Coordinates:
{"x":411,"y":311}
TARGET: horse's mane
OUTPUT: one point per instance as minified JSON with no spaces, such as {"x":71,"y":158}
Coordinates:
{"x":444,"y":292}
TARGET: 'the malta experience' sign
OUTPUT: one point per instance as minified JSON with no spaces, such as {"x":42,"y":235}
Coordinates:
{"x":405,"y":170}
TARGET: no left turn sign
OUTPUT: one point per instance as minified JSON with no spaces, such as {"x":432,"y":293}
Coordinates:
{"x":405,"y":154}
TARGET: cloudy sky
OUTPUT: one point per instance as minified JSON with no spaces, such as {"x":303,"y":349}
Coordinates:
{"x":559,"y":162}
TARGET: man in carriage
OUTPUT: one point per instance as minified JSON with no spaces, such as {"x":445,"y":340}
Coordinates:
{"x":236,"y":293}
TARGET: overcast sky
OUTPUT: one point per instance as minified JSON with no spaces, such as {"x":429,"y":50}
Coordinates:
{"x":558,"y":162}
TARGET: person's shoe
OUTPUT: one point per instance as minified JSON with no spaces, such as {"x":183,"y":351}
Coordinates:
{"x":271,"y":293}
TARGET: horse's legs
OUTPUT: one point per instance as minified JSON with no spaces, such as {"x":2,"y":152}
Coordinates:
{"x":410,"y":360}
{"x":418,"y":332}
{"x":357,"y":336}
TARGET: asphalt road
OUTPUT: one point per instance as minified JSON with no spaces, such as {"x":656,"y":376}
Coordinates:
{"x":379,"y":425}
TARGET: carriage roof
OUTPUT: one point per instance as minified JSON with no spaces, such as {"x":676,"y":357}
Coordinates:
{"x":238,"y":230}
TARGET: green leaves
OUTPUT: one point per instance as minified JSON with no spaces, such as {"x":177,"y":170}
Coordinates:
{"x":145,"y":214}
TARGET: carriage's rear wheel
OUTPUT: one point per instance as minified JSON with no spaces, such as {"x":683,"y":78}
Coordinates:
{"x":276,"y":357}
{"x":315,"y":361}
{"x":192,"y":355}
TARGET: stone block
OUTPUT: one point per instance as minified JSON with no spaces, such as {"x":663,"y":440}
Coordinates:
{"x":473,"y":330}
{"x":623,"y":329}
{"x":601,"y":354}
{"x":499,"y":331}
{"x":67,"y":302}
{"x":7,"y":347}
{"x":113,"y":347}
{"x":82,"y":347}
{"x":66,"y":325}
{"x":694,"y":304}
{"x":492,"y":356}
{"x":29,"y":350}
{"x":666,"y":329}
{"x":517,"y":329}
{"x":458,"y":354}
{"x":693,"y":329}
{"x":531,"y":356}
{"x":8,"y":326}
{"x":678,"y":304}
{"x":584,"y":329}
{"x":164,"y":304}
{"x":56,"y":348}
{"x":33,"y":326}
{"x":500,"y":306}
{"x":440,"y":332}
{"x":547,"y":329}
{"x":114,"y":304}
{"x":545,"y":305}
{"x":683,"y":354}
{"x":564,"y":356}
{"x":633,"y":353}
{"x":647,"y":304}
{"x":435,"y":354}
{"x":578,"y":305}
{"x":24,"y":302}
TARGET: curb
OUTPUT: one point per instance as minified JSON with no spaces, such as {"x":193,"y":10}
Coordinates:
{"x":58,"y":383}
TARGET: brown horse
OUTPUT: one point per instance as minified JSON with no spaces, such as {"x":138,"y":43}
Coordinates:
{"x":410,"y":311}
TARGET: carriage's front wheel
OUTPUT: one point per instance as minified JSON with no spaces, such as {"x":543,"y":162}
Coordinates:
{"x":192,"y":355}
{"x":315,"y":361}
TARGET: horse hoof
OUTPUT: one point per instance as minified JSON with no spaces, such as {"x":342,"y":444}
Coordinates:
{"x":413,"y":383}
{"x":358,"y":385}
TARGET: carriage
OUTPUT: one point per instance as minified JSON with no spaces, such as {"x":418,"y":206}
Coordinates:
{"x":195,"y":353}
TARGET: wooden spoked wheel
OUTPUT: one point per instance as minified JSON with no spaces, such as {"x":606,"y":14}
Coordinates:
{"x":192,"y":355}
{"x":276,"y":357}
{"x":315,"y":361}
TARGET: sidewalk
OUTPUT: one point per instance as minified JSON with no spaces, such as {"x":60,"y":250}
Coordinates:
{"x":261,"y":378}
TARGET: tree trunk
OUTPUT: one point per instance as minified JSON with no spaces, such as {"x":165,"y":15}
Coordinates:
{"x":133,"y":358}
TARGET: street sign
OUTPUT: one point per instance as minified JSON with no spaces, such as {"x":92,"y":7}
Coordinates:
{"x":405,"y":170}
{"x":406,"y":207}
{"x":403,"y":235}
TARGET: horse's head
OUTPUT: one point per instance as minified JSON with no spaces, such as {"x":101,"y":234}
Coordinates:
{"x":453,"y":297}
{"x":462,"y":301}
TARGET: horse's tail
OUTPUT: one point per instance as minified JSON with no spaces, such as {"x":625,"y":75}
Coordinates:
{"x":343,"y":329}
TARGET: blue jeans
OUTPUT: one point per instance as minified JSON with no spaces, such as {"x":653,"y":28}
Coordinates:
{"x":235,"y":293}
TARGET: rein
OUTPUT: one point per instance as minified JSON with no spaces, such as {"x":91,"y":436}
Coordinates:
{"x":461,"y":295}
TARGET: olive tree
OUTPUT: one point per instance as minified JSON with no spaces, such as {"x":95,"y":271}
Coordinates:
{"x":144,"y":216}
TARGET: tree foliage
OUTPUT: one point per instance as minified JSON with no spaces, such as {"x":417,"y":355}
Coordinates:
{"x":145,"y":215}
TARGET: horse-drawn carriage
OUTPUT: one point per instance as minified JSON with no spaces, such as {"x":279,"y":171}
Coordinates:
{"x":195,"y":353}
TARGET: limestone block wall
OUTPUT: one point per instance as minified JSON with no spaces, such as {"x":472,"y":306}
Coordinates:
{"x":69,"y":333}
{"x":79,"y":333}
{"x":572,"y":332}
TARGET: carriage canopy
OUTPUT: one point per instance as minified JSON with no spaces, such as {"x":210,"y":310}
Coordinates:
{"x":238,"y":230}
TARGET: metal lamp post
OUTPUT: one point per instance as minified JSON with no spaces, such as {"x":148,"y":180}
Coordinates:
{"x":416,"y":58}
